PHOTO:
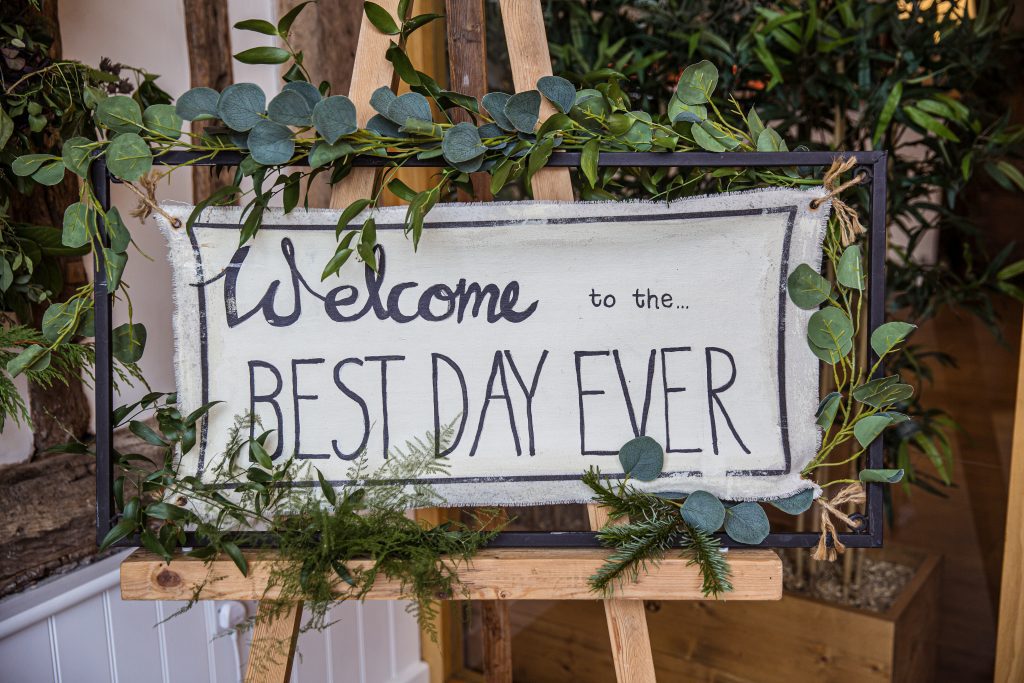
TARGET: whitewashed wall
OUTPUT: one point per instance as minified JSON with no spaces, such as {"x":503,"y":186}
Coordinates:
{"x":76,"y":629}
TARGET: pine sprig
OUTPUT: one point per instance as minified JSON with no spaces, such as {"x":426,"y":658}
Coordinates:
{"x":637,"y":545}
{"x":706,"y":552}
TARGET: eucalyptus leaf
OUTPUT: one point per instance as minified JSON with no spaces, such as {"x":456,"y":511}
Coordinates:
{"x":825,"y":415}
{"x":323,"y":153}
{"x":462,"y":143}
{"x":163,"y":120}
{"x":271,"y":143}
{"x":888,"y":335}
{"x":523,"y":110}
{"x":307,"y":90}
{"x":117,"y":231}
{"x":494,"y":103}
{"x":289,"y":108}
{"x":589,"y":160}
{"x":697,"y":83}
{"x":27,"y":164}
{"x":77,"y":155}
{"x":78,"y":219}
{"x":50,"y":174}
{"x":703,"y":138}
{"x":795,"y":504}
{"x":335,"y":117}
{"x":642,"y":458}
{"x":241,"y":106}
{"x":382,"y":126}
{"x":747,"y":523}
{"x":35,"y":358}
{"x":867,"y":429}
{"x":128,"y":341}
{"x":831,"y":329}
{"x":850,"y":270}
{"x":120,"y":114}
{"x":807,"y":289}
{"x":381,"y":99}
{"x":770,"y":141}
{"x":703,"y":511}
{"x":882,"y":392}
{"x":559,"y":91}
{"x":129,"y":157}
{"x":881,"y":476}
{"x":680,"y":111}
{"x":198,"y":104}
{"x":410,"y":105}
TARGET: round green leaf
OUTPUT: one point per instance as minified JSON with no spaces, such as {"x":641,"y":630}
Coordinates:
{"x":50,"y":174}
{"x":462,"y":143}
{"x":494,"y":103}
{"x":289,"y":108}
{"x":410,"y":105}
{"x":680,"y":111}
{"x":827,"y":409}
{"x":163,"y":120}
{"x":885,"y":337}
{"x":697,"y":83}
{"x":381,"y":99}
{"x":591,"y":102}
{"x":703,"y":138}
{"x":770,"y":141}
{"x":523,"y":110}
{"x":831,"y":329}
{"x":850,"y":271}
{"x":642,"y":458}
{"x":883,"y":391}
{"x":198,"y":104}
{"x":335,"y":117}
{"x":868,"y":428}
{"x":881,"y":476}
{"x":58,"y":317}
{"x":27,"y":164}
{"x":322,"y":153}
{"x":241,"y":106}
{"x":795,"y":504}
{"x":559,"y":91}
{"x":128,"y":341}
{"x":35,"y":358}
{"x":703,"y":511}
{"x":807,"y":289}
{"x":271,"y":143}
{"x":119,"y":113}
{"x":77,"y":220}
{"x":308,"y":91}
{"x":380,"y":125}
{"x":129,"y":157}
{"x":120,"y":238}
{"x":77,"y":154}
{"x":639,"y":134}
{"x":747,"y":523}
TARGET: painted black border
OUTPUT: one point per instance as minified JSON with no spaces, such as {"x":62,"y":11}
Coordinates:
{"x":872,"y":166}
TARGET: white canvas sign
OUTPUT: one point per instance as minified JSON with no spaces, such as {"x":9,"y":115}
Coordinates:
{"x":548,"y":334}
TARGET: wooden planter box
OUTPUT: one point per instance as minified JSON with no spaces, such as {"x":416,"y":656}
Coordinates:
{"x":793,"y":640}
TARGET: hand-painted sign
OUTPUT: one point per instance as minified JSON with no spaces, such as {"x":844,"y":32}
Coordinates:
{"x":545,"y":334}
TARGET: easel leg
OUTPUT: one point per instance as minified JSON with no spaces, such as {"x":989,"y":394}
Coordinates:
{"x":273,"y":643}
{"x":627,"y":628}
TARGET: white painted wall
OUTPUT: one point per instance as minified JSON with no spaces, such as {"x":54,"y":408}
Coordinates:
{"x":76,"y":629}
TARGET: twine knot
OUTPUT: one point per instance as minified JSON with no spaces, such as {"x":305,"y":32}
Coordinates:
{"x":854,"y":493}
{"x":849,"y":224}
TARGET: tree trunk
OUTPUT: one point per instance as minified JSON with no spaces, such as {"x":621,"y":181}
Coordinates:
{"x":60,"y":412}
{"x":209,"y":64}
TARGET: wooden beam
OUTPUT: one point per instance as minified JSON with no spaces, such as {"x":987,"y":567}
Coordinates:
{"x":207,"y":34}
{"x":498,"y":574}
{"x":1010,"y":640}
{"x":467,"y":68}
{"x":528,"y":55}
{"x":371,"y":71}
{"x":273,"y":643}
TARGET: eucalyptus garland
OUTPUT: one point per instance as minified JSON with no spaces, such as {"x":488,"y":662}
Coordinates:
{"x":305,"y":124}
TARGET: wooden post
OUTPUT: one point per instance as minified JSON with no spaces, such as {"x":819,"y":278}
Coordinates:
{"x":273,"y":643}
{"x":208,"y":35}
{"x":1010,"y":640}
{"x":467,"y":65}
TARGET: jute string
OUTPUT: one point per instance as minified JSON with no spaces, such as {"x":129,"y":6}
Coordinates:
{"x":830,"y":509}
{"x":849,"y":224}
{"x":147,"y":201}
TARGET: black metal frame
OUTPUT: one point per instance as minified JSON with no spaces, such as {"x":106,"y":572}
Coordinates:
{"x":871,"y":164}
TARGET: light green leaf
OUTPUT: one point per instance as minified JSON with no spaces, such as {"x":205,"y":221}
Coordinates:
{"x":703,"y":511}
{"x":50,"y":174}
{"x":559,"y":91}
{"x":770,"y":141}
{"x":807,"y":289}
{"x":754,"y":125}
{"x":882,"y":392}
{"x":241,"y":106}
{"x":680,"y":111}
{"x":322,"y":153}
{"x":120,"y":238}
{"x":146,"y":433}
{"x":335,"y":117}
{"x":27,"y":164}
{"x":929,"y":123}
{"x":825,"y":415}
{"x":795,"y":504}
{"x":868,"y":429}
{"x":831,"y":329}
{"x":747,"y":523}
{"x":881,"y":476}
{"x":35,"y":358}
{"x":589,"y":160}
{"x":120,"y":114}
{"x":129,"y":157}
{"x":78,"y":221}
{"x":116,"y":262}
{"x":77,"y":155}
{"x":163,"y":120}
{"x":888,"y":109}
{"x":885,"y":337}
{"x":850,"y":270}
{"x":271,"y":143}
{"x":128,"y":342}
{"x":642,"y":458}
{"x":697,"y":83}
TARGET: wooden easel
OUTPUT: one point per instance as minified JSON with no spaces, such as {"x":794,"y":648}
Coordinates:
{"x":494,"y":575}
